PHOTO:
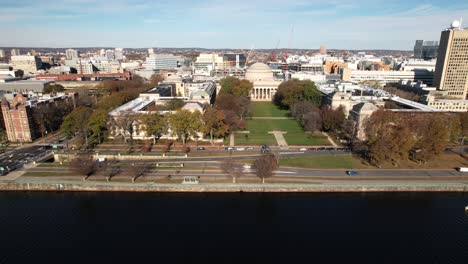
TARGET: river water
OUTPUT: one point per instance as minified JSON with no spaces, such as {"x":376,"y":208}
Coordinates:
{"x":69,"y":227}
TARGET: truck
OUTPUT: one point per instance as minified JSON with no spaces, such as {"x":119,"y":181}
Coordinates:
{"x":462,"y":169}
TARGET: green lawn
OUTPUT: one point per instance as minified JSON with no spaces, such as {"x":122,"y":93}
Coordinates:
{"x":267,"y":109}
{"x":262,"y":125}
{"x":306,"y":139}
{"x":320,"y":162}
{"x":255,"y":139}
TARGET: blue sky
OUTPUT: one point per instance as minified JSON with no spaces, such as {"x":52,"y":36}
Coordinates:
{"x":340,"y":24}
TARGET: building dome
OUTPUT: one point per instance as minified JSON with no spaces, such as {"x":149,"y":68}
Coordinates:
{"x":259,"y":72}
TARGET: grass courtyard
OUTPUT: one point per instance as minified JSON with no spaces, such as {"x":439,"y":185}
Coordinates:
{"x":306,"y":139}
{"x":267,"y":109}
{"x":259,"y":128}
{"x":255,"y":139}
{"x":267,"y":125}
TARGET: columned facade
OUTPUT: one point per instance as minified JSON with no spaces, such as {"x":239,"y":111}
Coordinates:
{"x":264,"y":83}
{"x":263,"y":93}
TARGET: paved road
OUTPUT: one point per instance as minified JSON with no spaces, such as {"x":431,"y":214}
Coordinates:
{"x":303,"y":173}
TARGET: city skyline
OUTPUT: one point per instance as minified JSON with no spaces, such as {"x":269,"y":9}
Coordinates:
{"x":340,"y":24}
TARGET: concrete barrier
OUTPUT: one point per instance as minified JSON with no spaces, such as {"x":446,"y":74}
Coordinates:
{"x":75,"y":186}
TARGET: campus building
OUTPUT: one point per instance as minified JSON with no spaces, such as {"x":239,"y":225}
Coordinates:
{"x":264,"y":83}
{"x":452,"y":62}
{"x":19,"y":115}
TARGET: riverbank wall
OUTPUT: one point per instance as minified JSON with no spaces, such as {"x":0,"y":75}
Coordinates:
{"x":58,"y":186}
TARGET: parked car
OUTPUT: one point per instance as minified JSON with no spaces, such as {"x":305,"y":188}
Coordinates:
{"x":352,"y":173}
{"x":250,"y":148}
{"x":229,"y":148}
{"x":200,"y":148}
{"x":303,"y":149}
{"x":240,"y":148}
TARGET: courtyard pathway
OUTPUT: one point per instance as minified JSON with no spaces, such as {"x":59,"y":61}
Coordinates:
{"x":330,"y":140}
{"x":280,"y":138}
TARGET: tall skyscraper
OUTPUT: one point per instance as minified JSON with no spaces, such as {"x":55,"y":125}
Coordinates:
{"x":110,"y":54}
{"x":150,"y":51}
{"x":2,"y":53}
{"x":71,"y":54}
{"x":426,"y":50}
{"x":451,"y":74}
{"x":15,"y":52}
{"x":118,"y":52}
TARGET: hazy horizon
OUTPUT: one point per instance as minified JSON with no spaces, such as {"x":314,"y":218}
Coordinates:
{"x":221,"y":24}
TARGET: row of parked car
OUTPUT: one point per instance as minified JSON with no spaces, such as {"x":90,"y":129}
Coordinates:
{"x":239,"y":148}
{"x":326,"y":149}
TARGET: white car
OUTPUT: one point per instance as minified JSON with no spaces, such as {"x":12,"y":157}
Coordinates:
{"x":240,"y":148}
{"x":302,"y":149}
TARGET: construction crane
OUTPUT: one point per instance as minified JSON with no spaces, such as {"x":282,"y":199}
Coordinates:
{"x":273,"y":54}
{"x":249,"y":54}
{"x":285,"y":55}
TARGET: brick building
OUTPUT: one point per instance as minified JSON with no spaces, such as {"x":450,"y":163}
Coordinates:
{"x":27,"y":119}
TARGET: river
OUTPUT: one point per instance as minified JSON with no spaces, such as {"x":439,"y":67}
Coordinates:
{"x":42,"y":227}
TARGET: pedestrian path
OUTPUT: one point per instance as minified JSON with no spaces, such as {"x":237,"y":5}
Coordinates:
{"x":330,"y":140}
{"x":231,"y":140}
{"x":280,"y":138}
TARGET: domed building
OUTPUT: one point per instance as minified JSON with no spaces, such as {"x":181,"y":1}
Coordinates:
{"x":264,"y":83}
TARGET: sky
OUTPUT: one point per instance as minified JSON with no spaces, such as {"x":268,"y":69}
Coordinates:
{"x":236,"y":24}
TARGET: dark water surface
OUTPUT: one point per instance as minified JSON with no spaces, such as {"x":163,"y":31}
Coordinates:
{"x":241,"y":228}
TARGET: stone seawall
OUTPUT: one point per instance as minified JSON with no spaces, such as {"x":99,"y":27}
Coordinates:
{"x":45,"y":185}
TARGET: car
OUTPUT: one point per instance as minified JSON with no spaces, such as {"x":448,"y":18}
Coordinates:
{"x":352,"y":173}
{"x":250,"y":148}
{"x":240,"y":148}
{"x":302,"y":149}
{"x":200,"y":148}
{"x":229,"y":148}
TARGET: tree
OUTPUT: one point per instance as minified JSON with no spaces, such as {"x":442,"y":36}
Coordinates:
{"x":233,"y":169}
{"x":111,"y":168}
{"x":98,"y":123}
{"x":155,"y":79}
{"x":137,"y":170}
{"x":433,"y":137}
{"x":184,"y":123}
{"x":332,"y":120}
{"x":173,"y":105}
{"x":294,"y":90}
{"x":265,"y":165}
{"x":50,"y":88}
{"x":214,"y":123}
{"x":236,"y":87}
{"x":4,"y":143}
{"x":77,"y":121}
{"x":83,"y":164}
{"x":301,"y":108}
{"x":312,"y":121}
{"x":226,"y":101}
{"x":227,"y":85}
{"x":243,"y":106}
{"x":155,"y":125}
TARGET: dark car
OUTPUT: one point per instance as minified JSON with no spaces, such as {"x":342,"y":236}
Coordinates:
{"x":352,"y":173}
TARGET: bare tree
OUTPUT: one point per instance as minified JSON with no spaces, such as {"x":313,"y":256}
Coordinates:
{"x":136,"y":170}
{"x":233,"y":169}
{"x":265,"y":165}
{"x":83,"y":164}
{"x":111,"y":168}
